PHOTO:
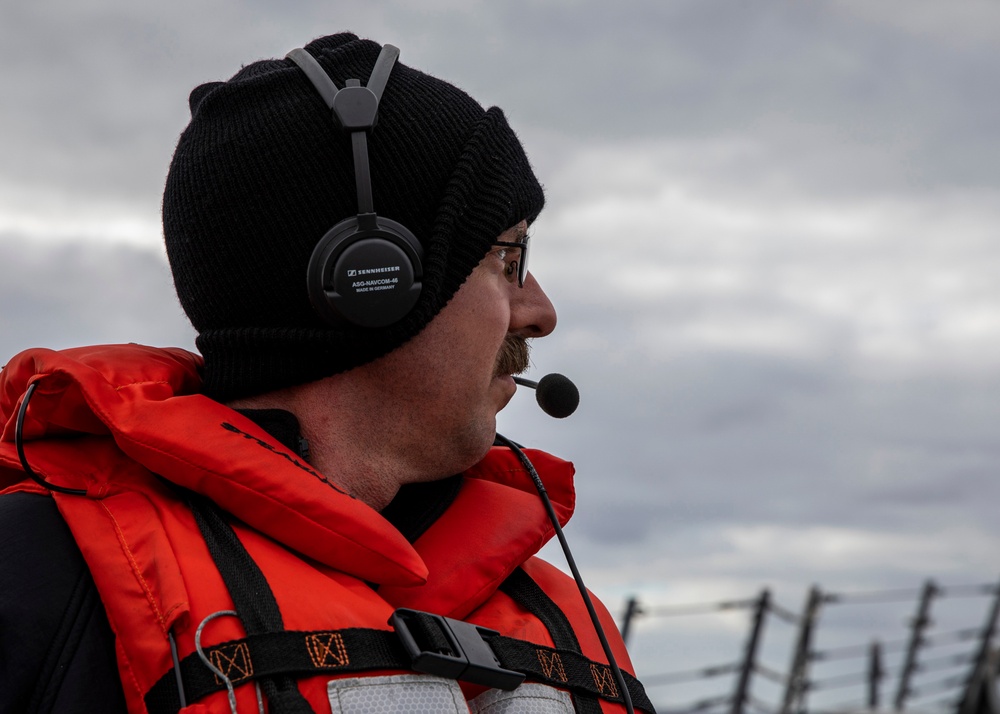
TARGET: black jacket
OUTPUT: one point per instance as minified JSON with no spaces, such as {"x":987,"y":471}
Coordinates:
{"x":57,"y":651}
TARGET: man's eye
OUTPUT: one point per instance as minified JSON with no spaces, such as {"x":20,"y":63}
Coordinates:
{"x":511,"y":258}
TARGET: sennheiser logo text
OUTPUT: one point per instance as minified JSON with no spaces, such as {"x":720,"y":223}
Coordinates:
{"x":351,"y":273}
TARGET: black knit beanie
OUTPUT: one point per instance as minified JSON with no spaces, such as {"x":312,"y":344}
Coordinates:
{"x":262,"y":172}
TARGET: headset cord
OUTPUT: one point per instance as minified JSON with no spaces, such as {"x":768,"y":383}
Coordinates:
{"x":612,"y":662}
{"x":19,"y":445}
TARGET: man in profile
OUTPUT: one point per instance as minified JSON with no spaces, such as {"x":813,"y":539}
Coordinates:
{"x":310,"y":515}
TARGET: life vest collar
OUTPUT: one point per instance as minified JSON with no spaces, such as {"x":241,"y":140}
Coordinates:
{"x":145,"y":402}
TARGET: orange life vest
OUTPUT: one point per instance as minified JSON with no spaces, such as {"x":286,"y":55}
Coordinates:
{"x":127,"y":425}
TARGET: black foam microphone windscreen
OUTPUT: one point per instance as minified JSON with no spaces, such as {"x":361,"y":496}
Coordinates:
{"x":556,"y":394}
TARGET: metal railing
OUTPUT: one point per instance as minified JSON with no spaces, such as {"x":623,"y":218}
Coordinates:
{"x":949,"y":681}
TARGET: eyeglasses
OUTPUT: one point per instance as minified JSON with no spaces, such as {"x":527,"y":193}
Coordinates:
{"x":515,"y":258}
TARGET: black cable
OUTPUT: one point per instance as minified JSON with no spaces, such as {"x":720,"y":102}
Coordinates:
{"x":19,"y":445}
{"x":873,"y":596}
{"x":691,"y":674}
{"x":703,"y":704}
{"x":770,"y":673}
{"x":950,"y":637}
{"x":952,"y":661}
{"x":980,"y":590}
{"x":177,"y":668}
{"x":840,"y":680}
{"x":698,"y":608}
{"x":612,"y":662}
{"x":855,"y":651}
{"x":783,"y":613}
{"x":949,"y":702}
{"x":935,"y":686}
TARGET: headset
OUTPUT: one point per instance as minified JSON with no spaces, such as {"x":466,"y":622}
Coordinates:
{"x":367,"y":270}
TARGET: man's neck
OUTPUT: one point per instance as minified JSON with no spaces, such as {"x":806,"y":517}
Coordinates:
{"x":358,"y":449}
{"x":414,"y":508}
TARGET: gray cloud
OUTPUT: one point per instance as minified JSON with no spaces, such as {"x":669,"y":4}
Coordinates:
{"x":66,"y":294}
{"x":771,"y":235}
{"x":849,"y":102}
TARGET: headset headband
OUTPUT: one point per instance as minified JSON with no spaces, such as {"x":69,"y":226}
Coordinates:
{"x":366,"y":270}
{"x":355,"y":108}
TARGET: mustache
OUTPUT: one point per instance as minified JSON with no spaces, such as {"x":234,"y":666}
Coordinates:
{"x":513,"y":356}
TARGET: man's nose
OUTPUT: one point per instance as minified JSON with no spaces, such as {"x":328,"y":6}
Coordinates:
{"x":532,"y":313}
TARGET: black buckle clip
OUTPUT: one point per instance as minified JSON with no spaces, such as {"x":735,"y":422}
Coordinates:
{"x":451,"y":648}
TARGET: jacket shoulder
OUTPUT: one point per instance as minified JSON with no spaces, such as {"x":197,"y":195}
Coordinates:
{"x":57,"y":650}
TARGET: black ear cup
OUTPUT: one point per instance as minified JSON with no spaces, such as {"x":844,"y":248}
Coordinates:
{"x":365,"y":271}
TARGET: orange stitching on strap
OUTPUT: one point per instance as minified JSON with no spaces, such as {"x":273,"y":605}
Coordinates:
{"x":552,"y":662}
{"x":604,"y":680}
{"x":232,"y":659}
{"x":326,"y":649}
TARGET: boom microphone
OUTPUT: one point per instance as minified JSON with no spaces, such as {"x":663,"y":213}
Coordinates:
{"x":556,"y":395}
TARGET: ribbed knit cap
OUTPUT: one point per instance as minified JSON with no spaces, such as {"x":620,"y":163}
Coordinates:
{"x":262,"y":172}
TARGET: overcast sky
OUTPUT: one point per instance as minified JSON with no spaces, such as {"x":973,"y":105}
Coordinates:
{"x":771,"y":234}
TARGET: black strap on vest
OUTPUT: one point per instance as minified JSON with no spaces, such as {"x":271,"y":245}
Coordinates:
{"x":252,"y":596}
{"x":347,"y":651}
{"x":421,"y":642}
{"x":448,"y":648}
{"x":527,"y":593}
